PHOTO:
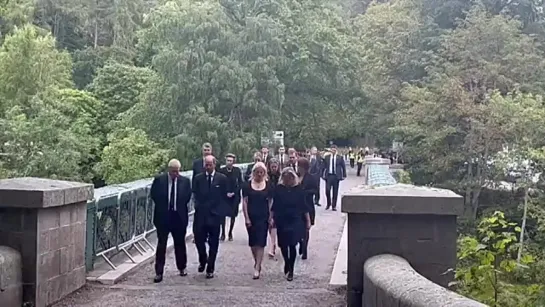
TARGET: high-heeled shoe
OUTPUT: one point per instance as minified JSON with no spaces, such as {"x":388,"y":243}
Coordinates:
{"x":257,"y":272}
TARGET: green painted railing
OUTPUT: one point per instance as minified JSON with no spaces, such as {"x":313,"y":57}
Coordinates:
{"x":121,"y":217}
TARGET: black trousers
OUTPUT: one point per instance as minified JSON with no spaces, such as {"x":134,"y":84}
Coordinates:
{"x":289,"y":253}
{"x":178,"y":228}
{"x":332,"y":185}
{"x":352,"y":163}
{"x":203,"y":229}
{"x":360,"y":165}
{"x":317,"y":194}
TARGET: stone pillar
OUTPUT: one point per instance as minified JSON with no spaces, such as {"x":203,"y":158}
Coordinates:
{"x":372,"y":161}
{"x":45,"y":220}
{"x":416,"y":223}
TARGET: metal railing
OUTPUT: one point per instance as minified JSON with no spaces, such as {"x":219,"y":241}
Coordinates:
{"x":120,"y":217}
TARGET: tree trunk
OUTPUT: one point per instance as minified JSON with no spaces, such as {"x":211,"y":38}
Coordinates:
{"x":524,"y":215}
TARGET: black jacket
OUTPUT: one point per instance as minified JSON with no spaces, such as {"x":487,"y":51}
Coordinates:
{"x":159,"y":195}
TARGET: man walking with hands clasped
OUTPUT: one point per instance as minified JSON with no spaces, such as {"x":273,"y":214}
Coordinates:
{"x":171,"y":193}
{"x":211,"y":203}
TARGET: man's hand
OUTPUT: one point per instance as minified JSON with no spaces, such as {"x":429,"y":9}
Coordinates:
{"x":230,"y":195}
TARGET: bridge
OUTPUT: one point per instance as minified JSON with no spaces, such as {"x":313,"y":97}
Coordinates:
{"x":67,"y":245}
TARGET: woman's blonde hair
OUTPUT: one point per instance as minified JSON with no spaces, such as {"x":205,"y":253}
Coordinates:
{"x":257,"y":166}
{"x":289,"y":170}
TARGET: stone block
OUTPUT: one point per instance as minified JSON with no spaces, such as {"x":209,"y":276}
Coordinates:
{"x":48,"y":218}
{"x":67,"y":255}
{"x":402,"y":199}
{"x":65,"y":216}
{"x":49,"y":265}
{"x":11,"y":279}
{"x":42,"y":193}
{"x":66,"y":235}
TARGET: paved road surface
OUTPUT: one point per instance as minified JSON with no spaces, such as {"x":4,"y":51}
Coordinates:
{"x":233,"y":285}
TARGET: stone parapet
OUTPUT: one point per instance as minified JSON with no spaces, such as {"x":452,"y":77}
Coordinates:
{"x":416,"y":223}
{"x":45,"y":221}
{"x":391,"y":281}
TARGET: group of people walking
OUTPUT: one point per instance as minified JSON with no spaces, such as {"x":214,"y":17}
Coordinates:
{"x":278,"y":193}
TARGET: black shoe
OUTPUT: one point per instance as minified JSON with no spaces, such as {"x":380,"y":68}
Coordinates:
{"x":334,"y":209}
{"x":304,"y":257}
{"x":230,"y":237}
{"x":317,"y":205}
{"x":209,"y":275}
{"x":201,"y":268}
{"x":327,"y":207}
{"x":222,"y":238}
{"x":158,"y":278}
{"x":290,"y":276}
{"x":183,"y":272}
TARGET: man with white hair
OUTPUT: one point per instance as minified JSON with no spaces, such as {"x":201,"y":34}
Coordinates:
{"x":171,"y":193}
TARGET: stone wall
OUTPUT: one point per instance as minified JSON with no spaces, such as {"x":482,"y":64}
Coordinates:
{"x":45,"y":221}
{"x":416,"y":223}
{"x":391,"y":281}
{"x":11,"y":279}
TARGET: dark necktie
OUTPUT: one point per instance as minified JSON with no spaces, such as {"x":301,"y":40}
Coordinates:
{"x":172,"y":195}
{"x":333,"y":165}
{"x":209,"y":181}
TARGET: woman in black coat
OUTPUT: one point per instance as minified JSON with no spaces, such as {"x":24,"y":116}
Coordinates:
{"x":287,"y":210}
{"x":310,"y":187}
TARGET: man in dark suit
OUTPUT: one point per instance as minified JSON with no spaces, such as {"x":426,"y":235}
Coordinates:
{"x":234,"y":186}
{"x":257,"y":158}
{"x":210,"y":190}
{"x":171,"y":193}
{"x":198,"y":164}
{"x":265,"y":156}
{"x":315,"y":170}
{"x":294,"y":161}
{"x":333,"y":172}
{"x":282,"y":157}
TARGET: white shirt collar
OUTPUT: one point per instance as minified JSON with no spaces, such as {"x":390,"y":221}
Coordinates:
{"x":213,"y":173}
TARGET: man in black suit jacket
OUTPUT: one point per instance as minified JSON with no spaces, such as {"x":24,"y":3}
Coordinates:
{"x":333,"y":172}
{"x":210,"y":190}
{"x":248,"y":173}
{"x":234,"y":186}
{"x":171,"y":193}
{"x":315,"y":171}
{"x":198,"y":164}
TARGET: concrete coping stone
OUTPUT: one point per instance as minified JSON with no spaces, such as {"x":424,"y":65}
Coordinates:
{"x":395,"y":277}
{"x":401,"y":199}
{"x":31,"y":192}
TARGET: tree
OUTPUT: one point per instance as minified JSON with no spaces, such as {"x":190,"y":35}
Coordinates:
{"x":30,"y":64}
{"x":129,"y":156}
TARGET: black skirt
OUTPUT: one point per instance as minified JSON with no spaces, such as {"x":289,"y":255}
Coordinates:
{"x":257,"y":234}
{"x":234,"y":206}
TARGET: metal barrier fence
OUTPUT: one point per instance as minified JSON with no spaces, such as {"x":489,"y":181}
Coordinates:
{"x":120,"y":217}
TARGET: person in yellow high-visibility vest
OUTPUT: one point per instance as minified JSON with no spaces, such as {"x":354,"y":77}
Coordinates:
{"x":351,"y":157}
{"x":359,"y":160}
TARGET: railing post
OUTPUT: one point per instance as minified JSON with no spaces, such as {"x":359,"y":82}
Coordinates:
{"x":416,"y":223}
{"x":90,"y":250}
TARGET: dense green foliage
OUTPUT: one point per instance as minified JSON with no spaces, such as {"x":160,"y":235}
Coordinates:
{"x":106,"y":91}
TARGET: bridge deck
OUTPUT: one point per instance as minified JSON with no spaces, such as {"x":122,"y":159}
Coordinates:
{"x":233,"y":284}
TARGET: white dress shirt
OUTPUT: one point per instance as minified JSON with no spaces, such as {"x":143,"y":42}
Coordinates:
{"x":172,"y":184}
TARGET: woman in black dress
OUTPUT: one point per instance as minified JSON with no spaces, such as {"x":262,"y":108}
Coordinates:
{"x":274,"y":176}
{"x":310,"y":187}
{"x":287,"y":210}
{"x":257,"y":199}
